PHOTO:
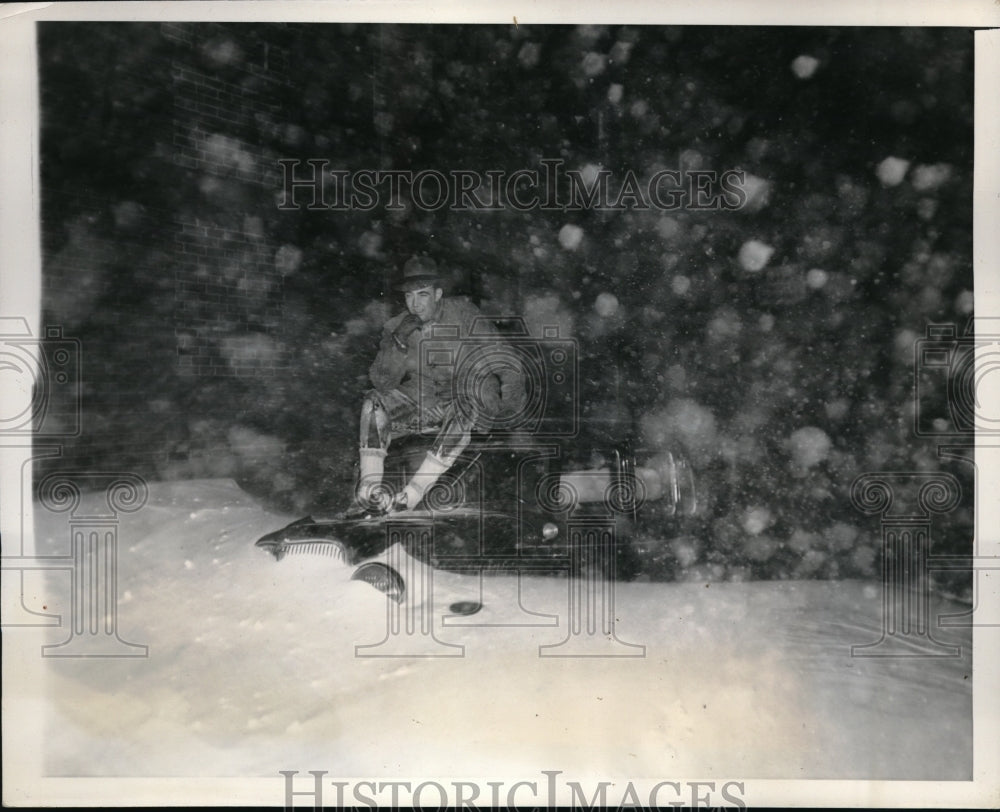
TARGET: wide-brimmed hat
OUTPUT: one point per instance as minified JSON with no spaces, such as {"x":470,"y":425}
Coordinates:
{"x":419,"y":272}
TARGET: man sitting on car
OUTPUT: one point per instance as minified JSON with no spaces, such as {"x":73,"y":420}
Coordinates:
{"x":416,"y":389}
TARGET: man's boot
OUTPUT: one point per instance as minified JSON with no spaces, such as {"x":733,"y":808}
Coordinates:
{"x":426,"y":475}
{"x":372,"y":468}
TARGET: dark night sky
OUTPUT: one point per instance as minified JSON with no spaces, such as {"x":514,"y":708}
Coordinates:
{"x":750,"y":372}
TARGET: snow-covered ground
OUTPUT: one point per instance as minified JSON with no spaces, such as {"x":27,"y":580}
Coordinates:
{"x":251,"y":669}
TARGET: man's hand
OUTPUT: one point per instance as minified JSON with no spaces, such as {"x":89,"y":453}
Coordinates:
{"x":433,"y":416}
{"x":407,"y":327}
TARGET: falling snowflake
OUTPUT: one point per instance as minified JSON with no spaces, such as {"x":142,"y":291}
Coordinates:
{"x":606,"y":305}
{"x":809,"y":446}
{"x":754,"y":255}
{"x":891,"y":171}
{"x":804,"y":66}
{"x":570,"y":236}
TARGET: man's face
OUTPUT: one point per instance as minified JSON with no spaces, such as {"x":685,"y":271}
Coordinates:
{"x":422,"y":302}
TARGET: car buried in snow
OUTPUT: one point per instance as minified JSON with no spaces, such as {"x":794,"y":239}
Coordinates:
{"x":553,"y":491}
{"x":541,"y":506}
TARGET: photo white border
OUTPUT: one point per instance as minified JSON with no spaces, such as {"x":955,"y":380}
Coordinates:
{"x":20,"y":263}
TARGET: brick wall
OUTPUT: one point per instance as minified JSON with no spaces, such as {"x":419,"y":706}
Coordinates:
{"x":161,"y":252}
{"x":227,"y":84}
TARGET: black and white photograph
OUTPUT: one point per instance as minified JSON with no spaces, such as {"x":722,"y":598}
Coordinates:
{"x":422,"y":407}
